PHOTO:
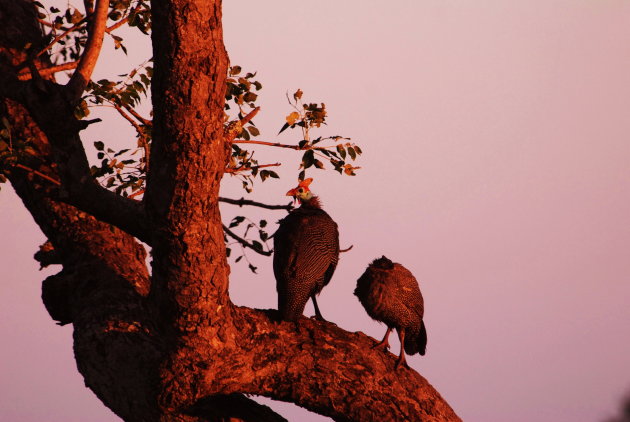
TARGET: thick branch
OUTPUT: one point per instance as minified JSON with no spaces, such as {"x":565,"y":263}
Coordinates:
{"x":316,"y":365}
{"x":96,"y":31}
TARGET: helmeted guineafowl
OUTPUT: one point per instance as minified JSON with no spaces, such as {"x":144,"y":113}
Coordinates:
{"x":306,"y":252}
{"x":390,"y":294}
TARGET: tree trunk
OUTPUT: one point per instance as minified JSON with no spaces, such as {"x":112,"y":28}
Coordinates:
{"x":171,"y":346}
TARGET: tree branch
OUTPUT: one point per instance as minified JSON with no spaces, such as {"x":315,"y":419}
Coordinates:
{"x":26,"y":75}
{"x":96,"y":31}
{"x":245,"y":242}
{"x":243,"y":168}
{"x":314,"y":364}
{"x":243,"y":201}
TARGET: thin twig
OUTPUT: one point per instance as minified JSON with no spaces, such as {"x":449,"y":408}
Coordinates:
{"x":241,"y":168}
{"x":135,"y":114}
{"x":26,"y":75}
{"x":143,"y":139}
{"x":243,"y":201}
{"x":61,"y":36}
{"x":124,"y":20}
{"x":40,"y":174}
{"x":272,"y":144}
{"x":347,"y":249}
{"x":245,"y":242}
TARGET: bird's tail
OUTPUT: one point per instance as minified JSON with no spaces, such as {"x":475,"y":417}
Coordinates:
{"x":416,"y":342}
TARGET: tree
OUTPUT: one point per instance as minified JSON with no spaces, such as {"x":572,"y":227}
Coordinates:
{"x":168,"y":344}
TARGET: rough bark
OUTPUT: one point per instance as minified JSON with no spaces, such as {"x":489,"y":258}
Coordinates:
{"x":171,"y":346}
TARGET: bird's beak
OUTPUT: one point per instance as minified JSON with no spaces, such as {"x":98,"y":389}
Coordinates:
{"x":293,"y":193}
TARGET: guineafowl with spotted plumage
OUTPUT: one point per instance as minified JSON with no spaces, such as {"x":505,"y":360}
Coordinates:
{"x":306,"y":252}
{"x":390,"y":294}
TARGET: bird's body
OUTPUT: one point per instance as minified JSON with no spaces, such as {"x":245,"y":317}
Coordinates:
{"x":390,"y":294}
{"x":306,"y":252}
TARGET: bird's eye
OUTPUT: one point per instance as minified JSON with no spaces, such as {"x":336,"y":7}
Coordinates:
{"x":300,"y":190}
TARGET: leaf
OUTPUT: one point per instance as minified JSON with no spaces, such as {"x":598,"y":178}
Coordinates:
{"x":253,"y":130}
{"x":236,"y":221}
{"x":284,"y":127}
{"x":308,"y":159}
{"x":100,"y":146}
{"x":252,"y":268}
{"x":292,"y":118}
{"x":319,"y":164}
{"x":341,"y":150}
{"x":302,"y":175}
{"x":250,"y":97}
{"x":262,"y":223}
{"x":239,"y":258}
{"x":257,"y":245}
{"x":352,"y":153}
{"x":235,"y":70}
{"x":298,"y":94}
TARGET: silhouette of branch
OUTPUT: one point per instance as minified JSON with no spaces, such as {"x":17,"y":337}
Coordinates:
{"x":244,"y":242}
{"x":241,"y":168}
{"x":243,"y":201}
{"x":40,"y":174}
{"x":26,"y":75}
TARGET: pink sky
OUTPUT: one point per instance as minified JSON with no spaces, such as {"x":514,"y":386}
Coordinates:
{"x":496,"y":167}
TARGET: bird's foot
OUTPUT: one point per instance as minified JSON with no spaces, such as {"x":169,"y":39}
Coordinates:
{"x":381,"y":345}
{"x":401,"y":362}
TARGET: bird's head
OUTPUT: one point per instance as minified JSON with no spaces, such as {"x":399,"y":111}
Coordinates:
{"x":302,"y":193}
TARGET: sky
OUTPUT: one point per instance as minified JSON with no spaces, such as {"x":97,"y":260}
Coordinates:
{"x":496,"y":167}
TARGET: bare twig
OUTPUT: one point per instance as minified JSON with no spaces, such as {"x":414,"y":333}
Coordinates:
{"x":243,"y":201}
{"x":347,"y":249}
{"x":244,"y":242}
{"x":83,"y":73}
{"x":40,"y":174}
{"x":241,"y":168}
{"x":125,"y":19}
{"x":273,"y":144}
{"x":26,"y":75}
{"x":61,"y":36}
{"x":138,"y":117}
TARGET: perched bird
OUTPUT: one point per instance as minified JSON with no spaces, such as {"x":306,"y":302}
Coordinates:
{"x":390,"y":294}
{"x":306,"y":251}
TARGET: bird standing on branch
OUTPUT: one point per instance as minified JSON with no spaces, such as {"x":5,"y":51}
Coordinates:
{"x":390,"y":294}
{"x":306,"y":252}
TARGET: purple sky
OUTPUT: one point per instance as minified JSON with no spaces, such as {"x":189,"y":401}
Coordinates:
{"x":496,"y":167}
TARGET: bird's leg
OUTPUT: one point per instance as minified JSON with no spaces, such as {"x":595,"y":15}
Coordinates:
{"x":385,"y":342}
{"x":318,"y":315}
{"x":401,"y":358}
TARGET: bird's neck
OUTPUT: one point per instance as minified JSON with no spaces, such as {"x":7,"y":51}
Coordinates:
{"x":313,"y":202}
